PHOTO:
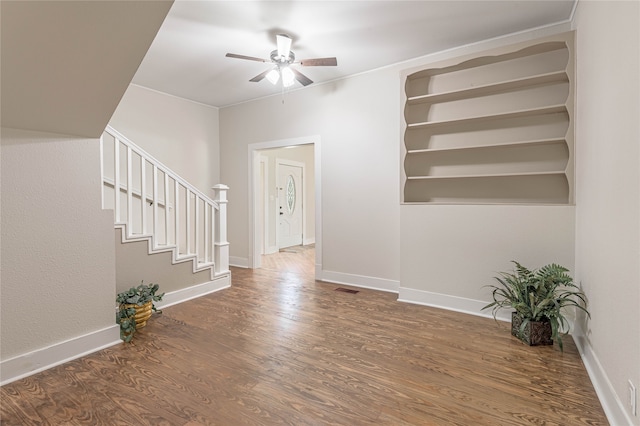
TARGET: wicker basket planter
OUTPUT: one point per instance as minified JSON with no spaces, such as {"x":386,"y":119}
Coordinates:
{"x":143,"y":313}
{"x":535,"y":333}
{"x":135,"y":307}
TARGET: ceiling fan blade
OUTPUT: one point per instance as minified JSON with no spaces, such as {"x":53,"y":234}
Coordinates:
{"x":303,"y":79}
{"x":319,"y":62}
{"x":249,"y":58}
{"x":284,"y":45}
{"x":260,"y":76}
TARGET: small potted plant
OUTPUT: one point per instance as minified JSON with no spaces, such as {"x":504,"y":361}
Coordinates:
{"x":135,"y":307}
{"x":538,"y":298}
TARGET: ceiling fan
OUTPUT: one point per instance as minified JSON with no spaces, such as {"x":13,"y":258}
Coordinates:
{"x":283,"y":58}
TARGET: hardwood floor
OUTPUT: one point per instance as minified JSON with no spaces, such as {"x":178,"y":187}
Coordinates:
{"x":298,"y":259}
{"x":280,"y":348}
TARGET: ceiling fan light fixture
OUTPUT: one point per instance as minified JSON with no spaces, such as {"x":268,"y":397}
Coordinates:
{"x":281,"y":59}
{"x":273,"y":76}
{"x":288,"y":77}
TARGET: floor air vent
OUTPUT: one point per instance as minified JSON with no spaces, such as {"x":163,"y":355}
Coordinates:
{"x":346,"y":290}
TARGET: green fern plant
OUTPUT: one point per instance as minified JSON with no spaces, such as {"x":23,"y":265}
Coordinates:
{"x":538,"y":295}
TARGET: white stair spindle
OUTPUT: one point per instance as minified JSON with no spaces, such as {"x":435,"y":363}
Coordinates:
{"x":196,"y":231}
{"x":188,"y":219}
{"x":166,"y":209}
{"x":206,"y":208}
{"x":129,"y":219}
{"x":102,"y":170}
{"x":212,"y":243}
{"x":154,"y":229}
{"x":143,"y":194}
{"x":116,"y":178}
{"x":176,"y":206}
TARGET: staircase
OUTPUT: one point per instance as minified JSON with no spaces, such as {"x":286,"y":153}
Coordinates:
{"x":151,"y":203}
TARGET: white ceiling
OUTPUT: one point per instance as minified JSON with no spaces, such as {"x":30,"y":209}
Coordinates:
{"x":187,"y":58}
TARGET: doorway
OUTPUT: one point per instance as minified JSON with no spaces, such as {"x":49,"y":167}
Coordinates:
{"x":265,"y":202}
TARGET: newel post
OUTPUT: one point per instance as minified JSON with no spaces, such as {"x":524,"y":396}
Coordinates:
{"x":221,"y":245}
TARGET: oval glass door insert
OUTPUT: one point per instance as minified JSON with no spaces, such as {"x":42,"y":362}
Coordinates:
{"x":291,"y":194}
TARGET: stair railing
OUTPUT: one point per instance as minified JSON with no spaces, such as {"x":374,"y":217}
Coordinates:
{"x":151,"y":202}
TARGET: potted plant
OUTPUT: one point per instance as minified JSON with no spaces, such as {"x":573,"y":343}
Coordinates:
{"x":538,"y":298}
{"x":135,"y":307}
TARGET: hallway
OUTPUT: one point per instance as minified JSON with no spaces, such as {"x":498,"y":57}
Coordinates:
{"x":298,"y":259}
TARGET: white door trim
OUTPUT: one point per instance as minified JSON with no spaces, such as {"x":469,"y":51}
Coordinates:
{"x":254,"y":185}
{"x":283,"y":161}
{"x":264,"y":213}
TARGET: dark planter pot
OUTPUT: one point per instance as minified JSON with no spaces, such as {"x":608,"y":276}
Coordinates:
{"x":535,"y":332}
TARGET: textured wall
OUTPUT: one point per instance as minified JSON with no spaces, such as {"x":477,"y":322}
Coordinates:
{"x":58,"y":265}
{"x":134,"y":265}
{"x":181,"y":134}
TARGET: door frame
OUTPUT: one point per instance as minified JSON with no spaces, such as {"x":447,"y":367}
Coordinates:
{"x":303,"y":202}
{"x":264,"y":214}
{"x":254,"y":196}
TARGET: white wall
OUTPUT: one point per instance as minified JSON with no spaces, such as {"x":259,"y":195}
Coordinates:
{"x":359,"y":134}
{"x":134,"y":265}
{"x":608,"y":195}
{"x":181,"y":134}
{"x":58,"y":265}
{"x":364,"y":235}
{"x":450,"y":253}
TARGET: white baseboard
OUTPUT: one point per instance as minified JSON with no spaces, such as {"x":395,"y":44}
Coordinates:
{"x":451,"y":303}
{"x":308,"y":241}
{"x":271,"y":250}
{"x":42,"y":359}
{"x":358,"y":280}
{"x":455,"y":303}
{"x":612,"y":405}
{"x":238,"y":262}
{"x":192,"y":292}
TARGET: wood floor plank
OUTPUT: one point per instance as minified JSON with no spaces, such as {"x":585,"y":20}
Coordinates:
{"x":279,"y":348}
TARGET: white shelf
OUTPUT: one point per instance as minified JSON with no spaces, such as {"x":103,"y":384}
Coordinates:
{"x":552,"y":109}
{"x":489,"y":89}
{"x":488,"y":146}
{"x":530,"y":50}
{"x":492,"y":175}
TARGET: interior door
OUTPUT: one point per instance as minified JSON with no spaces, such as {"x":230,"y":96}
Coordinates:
{"x":289,"y":205}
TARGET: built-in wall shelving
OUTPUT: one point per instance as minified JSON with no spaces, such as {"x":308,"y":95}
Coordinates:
{"x":488,"y":89}
{"x":496,"y":128}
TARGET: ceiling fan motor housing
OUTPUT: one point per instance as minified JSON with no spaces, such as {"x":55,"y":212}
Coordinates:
{"x":280,"y":60}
